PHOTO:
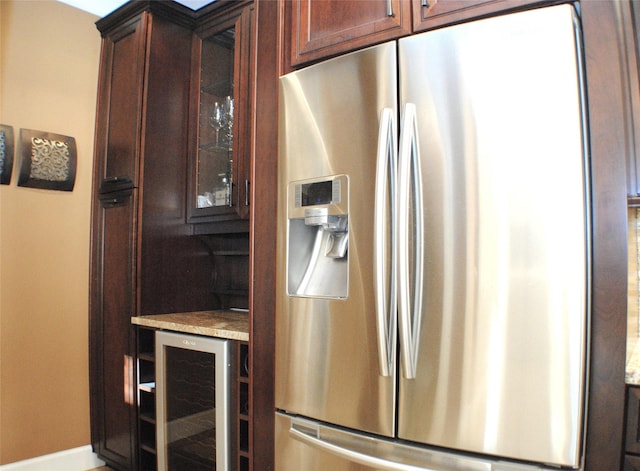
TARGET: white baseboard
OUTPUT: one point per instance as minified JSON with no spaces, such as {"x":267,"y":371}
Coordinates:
{"x":75,"y":459}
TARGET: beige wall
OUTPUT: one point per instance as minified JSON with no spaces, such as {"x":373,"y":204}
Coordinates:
{"x":49,"y":56}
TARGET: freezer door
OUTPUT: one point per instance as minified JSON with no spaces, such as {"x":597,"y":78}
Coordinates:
{"x":311,"y":446}
{"x":500,"y":351}
{"x":328,"y":361}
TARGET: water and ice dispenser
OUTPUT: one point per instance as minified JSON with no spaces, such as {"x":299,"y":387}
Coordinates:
{"x":318,"y":238}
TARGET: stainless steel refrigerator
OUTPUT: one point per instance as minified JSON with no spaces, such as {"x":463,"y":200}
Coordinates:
{"x":434,"y":261}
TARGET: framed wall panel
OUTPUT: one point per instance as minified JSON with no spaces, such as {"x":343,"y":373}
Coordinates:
{"x":47,"y":160}
{"x":6,"y":154}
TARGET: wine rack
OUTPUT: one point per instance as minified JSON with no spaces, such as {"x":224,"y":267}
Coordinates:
{"x":243,"y":407}
{"x":146,"y":400}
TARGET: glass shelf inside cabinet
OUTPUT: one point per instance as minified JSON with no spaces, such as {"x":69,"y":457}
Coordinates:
{"x":214,"y":172}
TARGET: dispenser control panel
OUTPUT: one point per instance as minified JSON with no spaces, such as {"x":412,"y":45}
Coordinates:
{"x":329,"y":193}
{"x":314,"y":193}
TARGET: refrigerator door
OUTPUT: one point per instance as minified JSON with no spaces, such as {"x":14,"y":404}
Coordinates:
{"x":329,"y":362}
{"x":500,"y":354}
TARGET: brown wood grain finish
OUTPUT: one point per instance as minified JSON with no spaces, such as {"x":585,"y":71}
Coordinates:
{"x":123,"y":55}
{"x":632,"y":429}
{"x":263,"y":238}
{"x":631,"y":463}
{"x":113,"y":417}
{"x":321,"y":29}
{"x":144,"y":258}
{"x":174,"y":271}
{"x":112,"y":261}
{"x":239,"y":18}
{"x":606,"y":389}
{"x":445,"y":12}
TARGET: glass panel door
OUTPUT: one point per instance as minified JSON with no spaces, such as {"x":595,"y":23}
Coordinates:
{"x":192,"y":407}
{"x":220,"y":118}
{"x":216,"y":121}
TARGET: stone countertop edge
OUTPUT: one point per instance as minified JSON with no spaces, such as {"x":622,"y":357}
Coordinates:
{"x":233,"y":325}
{"x":632,"y":375}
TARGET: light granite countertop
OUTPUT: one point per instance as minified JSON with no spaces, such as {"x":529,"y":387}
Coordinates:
{"x":232,"y":325}
{"x":632,"y":375}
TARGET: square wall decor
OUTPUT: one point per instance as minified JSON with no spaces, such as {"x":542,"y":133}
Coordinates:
{"x":6,"y":154}
{"x":47,"y":160}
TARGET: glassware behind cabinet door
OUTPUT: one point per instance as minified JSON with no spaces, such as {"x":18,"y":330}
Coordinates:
{"x":229,"y":109}
{"x":218,"y":119}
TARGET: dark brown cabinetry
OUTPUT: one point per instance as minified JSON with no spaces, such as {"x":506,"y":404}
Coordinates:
{"x":429,"y":14}
{"x":632,"y":432}
{"x":219,"y":141}
{"x":146,"y":395}
{"x":631,"y":61}
{"x":153,"y":250}
{"x":242,"y":405}
{"x":143,"y":257}
{"x":111,"y":340}
{"x":631,"y":463}
{"x":320,"y":29}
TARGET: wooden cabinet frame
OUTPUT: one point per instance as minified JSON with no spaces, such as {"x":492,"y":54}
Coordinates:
{"x":241,"y":18}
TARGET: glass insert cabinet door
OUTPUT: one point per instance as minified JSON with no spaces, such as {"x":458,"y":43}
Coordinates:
{"x":192,"y":406}
{"x":219,"y":180}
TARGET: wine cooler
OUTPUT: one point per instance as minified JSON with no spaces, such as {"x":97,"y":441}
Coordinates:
{"x":192,"y":402}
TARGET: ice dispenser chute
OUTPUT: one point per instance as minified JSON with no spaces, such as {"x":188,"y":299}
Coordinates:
{"x":318,"y":238}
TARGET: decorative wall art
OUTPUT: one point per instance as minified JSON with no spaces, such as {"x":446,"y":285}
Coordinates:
{"x":47,"y":160}
{"x":6,"y":154}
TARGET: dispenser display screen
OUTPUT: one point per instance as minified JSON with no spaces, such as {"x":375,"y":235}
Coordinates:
{"x":317,"y":193}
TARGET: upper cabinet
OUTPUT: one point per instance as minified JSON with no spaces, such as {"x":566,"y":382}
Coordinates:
{"x":123,"y":54}
{"x":220,"y":118}
{"x":321,"y":28}
{"x":630,"y":63}
{"x":429,"y":14}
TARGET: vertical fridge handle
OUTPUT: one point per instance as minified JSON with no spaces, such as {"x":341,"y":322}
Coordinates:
{"x":409,"y":189}
{"x":385,"y":292}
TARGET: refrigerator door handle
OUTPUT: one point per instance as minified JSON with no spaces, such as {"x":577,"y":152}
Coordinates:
{"x":384,"y":240}
{"x":309,"y":434}
{"x":409,"y":191}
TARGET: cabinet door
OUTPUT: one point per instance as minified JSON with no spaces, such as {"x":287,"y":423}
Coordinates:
{"x":631,"y":30}
{"x":429,"y":14}
{"x":631,"y":463}
{"x":220,"y":129}
{"x":112,"y":342}
{"x":632,"y":440}
{"x":112,"y":377}
{"x":321,"y":28}
{"x":120,"y":104}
